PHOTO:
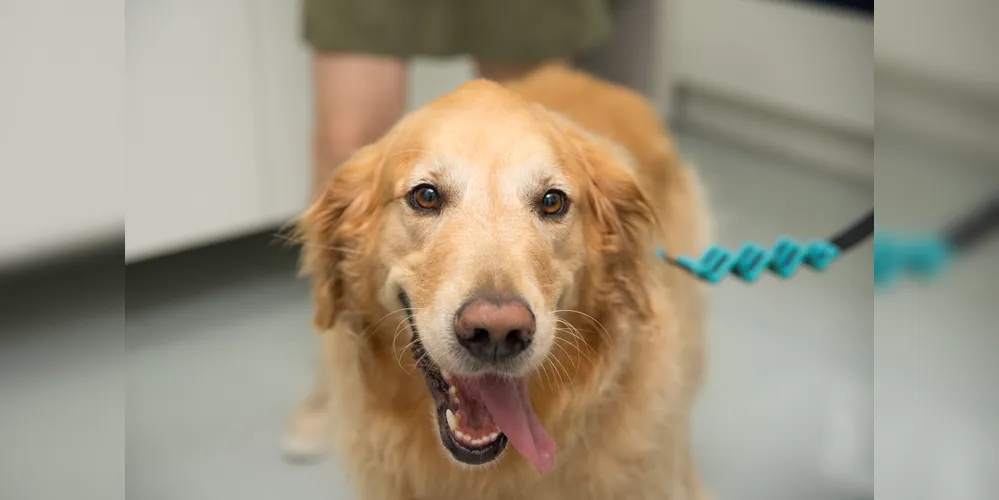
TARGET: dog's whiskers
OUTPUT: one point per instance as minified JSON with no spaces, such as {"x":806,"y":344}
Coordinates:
{"x":568,"y":377}
{"x":577,"y":338}
{"x":575,"y":345}
{"x":548,"y":360}
{"x":302,"y":240}
{"x":402,"y":325}
{"x":544,"y":370}
{"x":603,"y":331}
{"x":399,"y":329}
{"x":420,"y":359}
{"x":383,"y":318}
{"x":402,"y":353}
{"x":288,"y":239}
{"x":575,"y":333}
{"x":574,"y":360}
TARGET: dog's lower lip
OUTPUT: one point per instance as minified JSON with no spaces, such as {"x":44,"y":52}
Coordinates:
{"x":471,"y":450}
{"x":472,"y":443}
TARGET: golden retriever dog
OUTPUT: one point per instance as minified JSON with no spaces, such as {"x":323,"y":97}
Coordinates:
{"x":496,"y":322}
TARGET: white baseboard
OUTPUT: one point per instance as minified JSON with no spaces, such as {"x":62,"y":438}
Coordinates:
{"x":834,"y":151}
{"x":944,"y":115}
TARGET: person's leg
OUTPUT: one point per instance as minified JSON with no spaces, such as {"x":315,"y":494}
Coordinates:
{"x":358,"y":98}
{"x":306,"y":437}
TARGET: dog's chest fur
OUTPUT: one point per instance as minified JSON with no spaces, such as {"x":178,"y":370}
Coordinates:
{"x":616,"y":440}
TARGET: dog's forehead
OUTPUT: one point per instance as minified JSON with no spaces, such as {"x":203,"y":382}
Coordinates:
{"x":483,"y":135}
{"x":468,"y":146}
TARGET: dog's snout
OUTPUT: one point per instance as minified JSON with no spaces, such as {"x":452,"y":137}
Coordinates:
{"x":494,"y":330}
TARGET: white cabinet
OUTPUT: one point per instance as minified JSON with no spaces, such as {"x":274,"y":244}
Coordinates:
{"x":200,"y":151}
{"x":60,"y":125}
{"x":284,"y":106}
{"x":177,"y":122}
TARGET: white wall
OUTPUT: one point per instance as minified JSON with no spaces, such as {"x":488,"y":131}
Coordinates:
{"x":953,"y":42}
{"x":938,"y":74}
{"x":799,"y":79}
{"x":804,"y":61}
{"x":783,"y":76}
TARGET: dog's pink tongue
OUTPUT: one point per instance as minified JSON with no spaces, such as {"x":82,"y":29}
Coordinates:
{"x":509,"y":403}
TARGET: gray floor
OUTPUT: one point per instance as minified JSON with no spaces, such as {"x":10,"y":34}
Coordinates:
{"x":937,"y":347}
{"x":219,"y":350}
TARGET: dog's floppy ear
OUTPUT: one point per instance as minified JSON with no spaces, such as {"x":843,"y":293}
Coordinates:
{"x":618,"y":205}
{"x":339,"y":232}
{"x":620,"y":219}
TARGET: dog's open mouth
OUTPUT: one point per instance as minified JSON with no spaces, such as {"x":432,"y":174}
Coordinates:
{"x":478,"y":415}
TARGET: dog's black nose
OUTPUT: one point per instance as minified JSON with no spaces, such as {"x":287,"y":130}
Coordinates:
{"x":494,"y":330}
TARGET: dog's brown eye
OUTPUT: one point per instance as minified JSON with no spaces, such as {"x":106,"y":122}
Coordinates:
{"x":425,"y":197}
{"x":553,"y":203}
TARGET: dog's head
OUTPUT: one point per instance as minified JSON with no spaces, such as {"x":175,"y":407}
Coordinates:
{"x":482,"y":216}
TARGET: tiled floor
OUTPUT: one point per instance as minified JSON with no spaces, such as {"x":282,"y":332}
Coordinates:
{"x":220,"y":349}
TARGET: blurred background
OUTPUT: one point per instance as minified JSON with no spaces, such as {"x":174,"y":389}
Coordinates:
{"x":178,"y":130}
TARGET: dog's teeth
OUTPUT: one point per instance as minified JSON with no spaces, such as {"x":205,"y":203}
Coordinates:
{"x":453,"y":391}
{"x":477,"y":442}
{"x":492,"y":437}
{"x":446,"y":375}
{"x":461,"y":436}
{"x":452,"y":421}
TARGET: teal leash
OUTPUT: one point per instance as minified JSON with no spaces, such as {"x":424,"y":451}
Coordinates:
{"x":785,"y":258}
{"x":896,"y":257}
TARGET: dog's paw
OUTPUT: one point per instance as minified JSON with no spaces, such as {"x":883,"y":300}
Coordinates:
{"x":306,"y":439}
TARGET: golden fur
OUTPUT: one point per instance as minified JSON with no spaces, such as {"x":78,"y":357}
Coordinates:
{"x":618,"y":355}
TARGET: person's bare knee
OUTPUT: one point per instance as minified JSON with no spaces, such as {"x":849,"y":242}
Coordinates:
{"x":358,"y":97}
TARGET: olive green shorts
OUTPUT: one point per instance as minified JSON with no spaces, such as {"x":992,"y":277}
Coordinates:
{"x":488,"y":30}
